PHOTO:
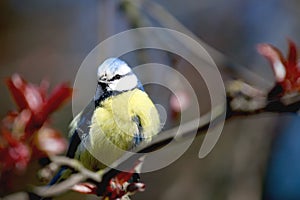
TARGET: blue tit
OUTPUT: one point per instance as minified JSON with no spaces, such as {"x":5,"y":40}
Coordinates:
{"x":120,"y":116}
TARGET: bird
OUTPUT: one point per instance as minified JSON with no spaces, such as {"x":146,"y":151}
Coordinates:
{"x":119,"y":117}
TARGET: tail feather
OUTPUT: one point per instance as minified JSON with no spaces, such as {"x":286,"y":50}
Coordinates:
{"x":58,"y":177}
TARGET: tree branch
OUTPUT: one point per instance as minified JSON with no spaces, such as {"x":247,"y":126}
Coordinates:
{"x":242,"y":100}
{"x":239,"y":92}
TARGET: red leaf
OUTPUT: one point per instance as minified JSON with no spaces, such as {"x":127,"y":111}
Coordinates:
{"x":292,"y":55}
{"x":19,"y":128}
{"x":34,"y":98}
{"x":85,"y":188}
{"x":59,"y":95}
{"x":44,"y":86}
{"x":49,"y":141}
{"x":276,"y":59}
{"x":120,"y":186}
{"x":286,"y":71}
{"x":17,"y":86}
{"x":15,"y":155}
{"x":11,"y":141}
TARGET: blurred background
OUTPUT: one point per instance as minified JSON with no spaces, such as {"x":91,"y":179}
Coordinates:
{"x":257,"y":157}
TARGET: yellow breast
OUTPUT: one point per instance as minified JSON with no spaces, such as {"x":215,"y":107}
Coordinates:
{"x":113,"y":128}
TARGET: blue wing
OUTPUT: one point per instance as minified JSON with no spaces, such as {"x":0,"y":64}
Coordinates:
{"x":138,"y":137}
{"x":81,"y":127}
{"x":80,"y":130}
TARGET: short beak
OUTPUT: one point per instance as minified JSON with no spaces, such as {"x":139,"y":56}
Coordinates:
{"x":103,"y":81}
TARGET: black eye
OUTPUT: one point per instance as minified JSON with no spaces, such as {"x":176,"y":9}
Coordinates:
{"x":117,"y":76}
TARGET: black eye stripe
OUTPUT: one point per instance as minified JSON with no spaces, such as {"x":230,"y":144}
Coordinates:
{"x":116,"y":77}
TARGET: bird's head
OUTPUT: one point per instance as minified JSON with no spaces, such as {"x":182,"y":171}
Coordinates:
{"x":116,"y":76}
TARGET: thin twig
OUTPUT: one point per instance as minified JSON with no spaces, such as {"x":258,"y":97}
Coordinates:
{"x":59,"y":188}
{"x":75,"y":164}
{"x":82,"y":175}
{"x":127,"y":161}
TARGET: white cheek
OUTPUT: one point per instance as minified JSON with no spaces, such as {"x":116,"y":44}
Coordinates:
{"x":125,"y":83}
